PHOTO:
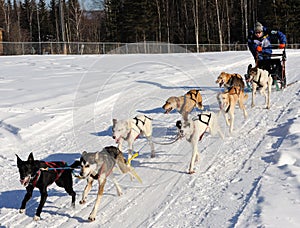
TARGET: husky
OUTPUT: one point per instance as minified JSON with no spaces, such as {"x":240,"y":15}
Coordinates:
{"x":99,"y":166}
{"x":34,"y":173}
{"x":229,"y":80}
{"x":261,"y":78}
{"x":130,"y":129}
{"x":194,"y":129}
{"x":184,"y":104}
{"x":227,"y":102}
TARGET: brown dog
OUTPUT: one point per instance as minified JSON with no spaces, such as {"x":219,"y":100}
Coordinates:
{"x":184,"y":104}
{"x":230,"y":80}
{"x":227,"y":101}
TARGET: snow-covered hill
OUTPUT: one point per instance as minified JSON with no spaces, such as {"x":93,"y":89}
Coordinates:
{"x":59,"y":106}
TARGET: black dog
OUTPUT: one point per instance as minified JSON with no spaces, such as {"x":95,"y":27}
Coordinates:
{"x":34,"y":173}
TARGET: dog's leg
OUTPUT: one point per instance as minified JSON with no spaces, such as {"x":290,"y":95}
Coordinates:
{"x":263,"y":93}
{"x":270,"y":81}
{"x":152,"y":146}
{"x":120,"y":144}
{"x":102,"y":181}
{"x":226,"y":116}
{"x":231,"y":114}
{"x":119,"y":190}
{"x":242,"y":105}
{"x":253,"y":93}
{"x":194,"y":155}
{"x":71,"y":192}
{"x":130,"y":148}
{"x":44,"y":196}
{"x":65,"y":181}
{"x":87,"y":189}
{"x":27,"y":197}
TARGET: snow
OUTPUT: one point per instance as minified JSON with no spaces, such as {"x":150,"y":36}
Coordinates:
{"x":59,"y":106}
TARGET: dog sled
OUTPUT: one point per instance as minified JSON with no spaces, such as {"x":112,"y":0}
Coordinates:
{"x":275,"y":65}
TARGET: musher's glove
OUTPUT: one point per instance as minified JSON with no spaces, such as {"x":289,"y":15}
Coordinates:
{"x":259,"y":49}
{"x":281,"y":46}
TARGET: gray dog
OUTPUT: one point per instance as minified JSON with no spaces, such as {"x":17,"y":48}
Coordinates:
{"x":98,"y":166}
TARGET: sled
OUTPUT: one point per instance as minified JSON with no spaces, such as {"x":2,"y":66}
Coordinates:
{"x":275,"y":64}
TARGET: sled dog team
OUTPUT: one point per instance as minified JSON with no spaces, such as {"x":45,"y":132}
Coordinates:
{"x":99,"y":165}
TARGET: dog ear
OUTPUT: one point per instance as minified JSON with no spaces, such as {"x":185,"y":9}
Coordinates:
{"x":19,"y":161}
{"x":96,"y":156}
{"x":30,"y":157}
{"x":84,"y":153}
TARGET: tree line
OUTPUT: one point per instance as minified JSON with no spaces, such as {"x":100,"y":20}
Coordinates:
{"x":128,"y":21}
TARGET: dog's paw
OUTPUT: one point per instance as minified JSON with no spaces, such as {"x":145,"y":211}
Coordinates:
{"x":92,"y":218}
{"x":82,"y":201}
{"x":21,"y":211}
{"x":36,"y":218}
{"x":152,"y":155}
{"x":191,"y":172}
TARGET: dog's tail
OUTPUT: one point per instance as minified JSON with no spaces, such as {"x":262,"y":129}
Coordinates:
{"x":214,"y":126}
{"x":125,"y":168}
{"x":122,"y":164}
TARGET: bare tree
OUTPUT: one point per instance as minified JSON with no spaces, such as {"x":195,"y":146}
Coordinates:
{"x":196,"y":22}
{"x":159,"y":20}
{"x":219,"y":26}
{"x":6,"y":8}
{"x":228,"y":22}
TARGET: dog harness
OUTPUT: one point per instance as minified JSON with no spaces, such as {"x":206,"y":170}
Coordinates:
{"x":58,"y":169}
{"x":207,"y":115}
{"x":258,"y":81}
{"x":191,"y":94}
{"x":137,"y":120}
{"x":205,"y":122}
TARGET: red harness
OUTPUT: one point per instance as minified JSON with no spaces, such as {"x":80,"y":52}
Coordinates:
{"x":53,"y":166}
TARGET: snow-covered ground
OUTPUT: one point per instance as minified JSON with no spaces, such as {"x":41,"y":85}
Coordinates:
{"x":59,"y":106}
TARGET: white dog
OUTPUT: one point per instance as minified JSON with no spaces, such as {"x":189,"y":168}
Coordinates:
{"x":262,"y":78}
{"x":194,"y":129}
{"x":227,"y":102}
{"x":130,"y":129}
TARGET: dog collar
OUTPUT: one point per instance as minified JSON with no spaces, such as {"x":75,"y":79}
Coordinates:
{"x":35,"y":178}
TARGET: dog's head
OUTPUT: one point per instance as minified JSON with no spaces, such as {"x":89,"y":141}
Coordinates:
{"x":252,"y":74}
{"x":223,"y":100}
{"x":185,"y":128}
{"x":88,"y":164}
{"x":120,"y":129}
{"x":223,"y":78}
{"x":27,"y":169}
{"x":171,"y":104}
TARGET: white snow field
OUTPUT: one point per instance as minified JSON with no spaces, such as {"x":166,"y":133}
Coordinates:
{"x":59,"y":106}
